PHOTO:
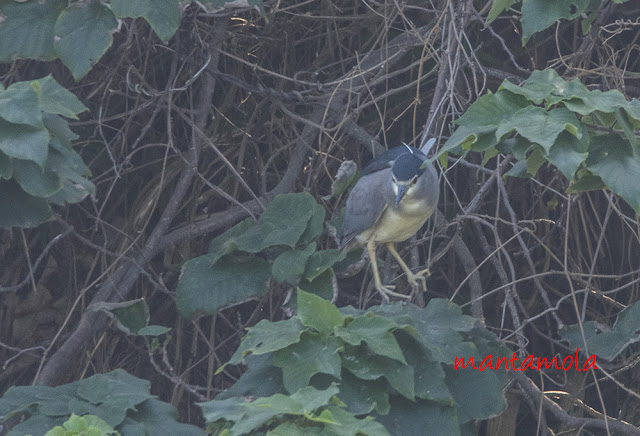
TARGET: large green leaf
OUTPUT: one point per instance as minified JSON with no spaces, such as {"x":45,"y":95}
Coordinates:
{"x":367,"y":366}
{"x":205,"y":288}
{"x":362,"y":396}
{"x":33,"y":180}
{"x":492,"y":109}
{"x":320,"y":261}
{"x":247,"y":417}
{"x":318,"y":313}
{"x":163,"y":15}
{"x":27,"y":29}
{"x":537,"y":15}
{"x":56,"y":99}
{"x":20,"y":104}
{"x":462,"y":382}
{"x":496,"y":9}
{"x":376,"y":331}
{"x":24,"y":142}
{"x":540,"y":126}
{"x":313,"y":354}
{"x":607,"y":344}
{"x":283,"y":223}
{"x":617,"y":163}
{"x":568,"y":152}
{"x":155,"y":417}
{"x":267,"y":337}
{"x":114,"y":393}
{"x":290,"y":265}
{"x":25,"y":210}
{"x":420,"y":418}
{"x":83,"y":35}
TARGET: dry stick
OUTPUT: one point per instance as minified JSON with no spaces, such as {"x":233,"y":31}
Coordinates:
{"x":118,"y":286}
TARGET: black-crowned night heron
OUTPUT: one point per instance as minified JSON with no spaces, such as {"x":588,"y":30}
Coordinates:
{"x":390,"y":202}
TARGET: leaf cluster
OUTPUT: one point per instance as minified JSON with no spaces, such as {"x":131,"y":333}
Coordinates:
{"x":38,"y":165}
{"x":392,"y":362}
{"x":119,"y":399}
{"x":587,"y":134}
{"x":280,"y":244}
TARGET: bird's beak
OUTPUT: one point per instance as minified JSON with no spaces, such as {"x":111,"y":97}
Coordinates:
{"x":401,"y":191}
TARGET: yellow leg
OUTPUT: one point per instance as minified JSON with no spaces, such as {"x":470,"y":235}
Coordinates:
{"x":385,"y":291}
{"x":417,"y":281}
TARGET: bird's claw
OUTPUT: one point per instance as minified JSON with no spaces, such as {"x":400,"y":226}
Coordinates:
{"x":387,"y":292}
{"x":418,"y":281}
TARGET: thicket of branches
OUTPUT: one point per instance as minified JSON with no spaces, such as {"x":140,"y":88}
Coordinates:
{"x":185,"y":139}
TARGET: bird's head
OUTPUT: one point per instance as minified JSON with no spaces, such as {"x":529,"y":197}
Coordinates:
{"x":405,"y":174}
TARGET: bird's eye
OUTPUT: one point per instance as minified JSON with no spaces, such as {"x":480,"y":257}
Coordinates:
{"x":414,"y":181}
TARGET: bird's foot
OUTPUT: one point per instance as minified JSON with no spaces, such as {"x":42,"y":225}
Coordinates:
{"x":387,"y":292}
{"x":418,"y":281}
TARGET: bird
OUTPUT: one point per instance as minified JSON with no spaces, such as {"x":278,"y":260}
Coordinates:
{"x":389,"y":203}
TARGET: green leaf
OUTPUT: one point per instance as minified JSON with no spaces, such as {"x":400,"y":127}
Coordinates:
{"x":540,"y":126}
{"x":261,"y":379}
{"x":314,"y":226}
{"x":68,"y":164}
{"x":376,"y":331}
{"x":366,"y":366}
{"x":56,"y":99}
{"x":464,"y":381}
{"x":290,"y":265}
{"x":131,"y":316}
{"x":540,"y":85}
{"x":318,"y":313}
{"x":33,"y":180}
{"x":114,"y":393}
{"x":492,"y":110}
{"x":321,"y":286}
{"x":627,"y":128}
{"x":320,"y":261}
{"x":362,"y":396}
{"x":413,"y":418}
{"x":162,"y":15}
{"x":25,"y":210}
{"x":534,"y":161}
{"x":205,"y":288}
{"x":586,"y":182}
{"x":586,"y":102}
{"x":568,"y":152}
{"x":496,"y":9}
{"x":314,"y":354}
{"x":83,"y":35}
{"x":155,"y":417}
{"x":22,"y":142}
{"x":348,"y":425}
{"x":250,"y":416}
{"x":537,"y":15}
{"x":153,"y":330}
{"x":607,"y":344}
{"x":27,"y":29}
{"x":283,"y":223}
{"x":226,"y":243}
{"x":429,"y":374}
{"x":618,"y":165}
{"x":20,"y":104}
{"x":438,"y":324}
{"x":267,"y":337}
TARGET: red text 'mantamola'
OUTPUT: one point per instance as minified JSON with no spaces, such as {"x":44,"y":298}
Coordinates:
{"x":529,"y":362}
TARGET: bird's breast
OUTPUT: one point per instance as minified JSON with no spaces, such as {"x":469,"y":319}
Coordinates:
{"x":399,"y":224}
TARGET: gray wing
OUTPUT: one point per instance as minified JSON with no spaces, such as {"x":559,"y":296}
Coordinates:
{"x":365,"y":204}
